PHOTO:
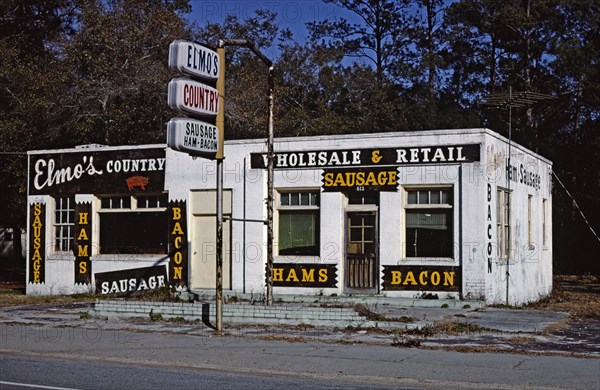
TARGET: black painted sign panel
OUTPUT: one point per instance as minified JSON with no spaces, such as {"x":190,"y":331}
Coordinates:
{"x":360,"y":179}
{"x":438,"y":154}
{"x":37,"y":243}
{"x":131,"y":280}
{"x":83,"y":242}
{"x":178,"y":243}
{"x":304,"y":275}
{"x":421,"y":278}
{"x":112,"y":171}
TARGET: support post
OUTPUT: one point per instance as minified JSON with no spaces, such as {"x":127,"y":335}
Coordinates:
{"x":219,"y":158}
{"x":270,"y":158}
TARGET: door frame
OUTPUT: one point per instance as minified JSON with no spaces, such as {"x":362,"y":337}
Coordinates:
{"x":368,"y":208}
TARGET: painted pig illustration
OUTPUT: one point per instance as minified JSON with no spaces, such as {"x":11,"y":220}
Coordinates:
{"x":137,"y":181}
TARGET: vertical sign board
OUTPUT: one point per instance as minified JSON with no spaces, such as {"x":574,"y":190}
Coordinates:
{"x":178,"y":243}
{"x":83,"y":243}
{"x":37,"y":243}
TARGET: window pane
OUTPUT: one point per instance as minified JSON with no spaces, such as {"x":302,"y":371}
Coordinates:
{"x":285,"y":199}
{"x":133,"y":232}
{"x":314,"y":199}
{"x":298,"y":233}
{"x":304,"y":199}
{"x":294,"y":199}
{"x":412,"y":197}
{"x":435,"y":197}
{"x":423,"y":197}
{"x":429,"y":233}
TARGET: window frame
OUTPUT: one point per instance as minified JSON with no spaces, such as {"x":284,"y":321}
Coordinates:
{"x":448,"y":208}
{"x":133,"y":203}
{"x":298,"y":208}
{"x":59,"y":239}
{"x":503,"y":225}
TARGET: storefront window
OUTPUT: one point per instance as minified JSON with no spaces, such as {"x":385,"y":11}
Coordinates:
{"x":298,"y":223}
{"x":133,"y":224}
{"x":429,"y":227}
{"x":64,"y":223}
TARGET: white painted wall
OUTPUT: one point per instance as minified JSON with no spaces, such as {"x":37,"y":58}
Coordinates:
{"x":530,"y":269}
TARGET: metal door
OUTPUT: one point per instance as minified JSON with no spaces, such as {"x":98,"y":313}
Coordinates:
{"x":361,"y":250}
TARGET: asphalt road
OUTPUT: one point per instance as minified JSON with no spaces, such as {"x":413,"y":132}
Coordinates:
{"x":91,"y":358}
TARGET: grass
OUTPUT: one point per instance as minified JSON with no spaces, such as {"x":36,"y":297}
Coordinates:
{"x":578,"y":295}
{"x":18,"y":298}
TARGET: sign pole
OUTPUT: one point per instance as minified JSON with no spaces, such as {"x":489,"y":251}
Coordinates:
{"x":220,"y":122}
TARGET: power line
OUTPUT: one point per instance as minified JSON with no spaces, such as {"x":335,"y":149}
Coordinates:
{"x":577,"y":207}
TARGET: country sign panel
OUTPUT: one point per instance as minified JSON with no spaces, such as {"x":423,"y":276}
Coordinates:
{"x":193,"y":98}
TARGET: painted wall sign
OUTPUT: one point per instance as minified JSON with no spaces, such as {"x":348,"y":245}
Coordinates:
{"x":195,"y":137}
{"x":131,"y":280}
{"x":426,"y":278}
{"x":360,"y":179}
{"x":304,"y":275}
{"x":193,"y":97}
{"x":524,"y":174}
{"x":83,"y":242}
{"x":489,"y":228}
{"x":178,"y":243}
{"x":37,"y":243}
{"x":114,"y":171}
{"x":370,"y":157}
{"x":194,"y":59}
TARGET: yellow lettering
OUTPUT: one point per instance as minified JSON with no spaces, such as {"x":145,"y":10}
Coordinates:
{"x":37,"y":221}
{"x":36,"y":277}
{"x":82,"y":250}
{"x":177,"y":273}
{"x":177,"y":229}
{"x":36,"y":255}
{"x":177,"y":242}
{"x":422,"y":277}
{"x":435,"y":278}
{"x":396,"y":277}
{"x":339,"y":180}
{"x":393,"y":178}
{"x":292,"y":276}
{"x":308,"y":275}
{"x":410,"y":277}
{"x":82,"y":236}
{"x":37,"y":209}
{"x":37,"y":265}
{"x":382,"y":178}
{"x":360,"y":179}
{"x":178,"y":258}
{"x":83,"y":218}
{"x":278,"y":274}
{"x":448,"y":278}
{"x":328,"y":179}
{"x":371,"y":181}
{"x":323,"y":275}
{"x":176,"y":213}
{"x":82,"y":267}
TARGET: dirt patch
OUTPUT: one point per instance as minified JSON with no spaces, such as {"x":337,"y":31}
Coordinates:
{"x":577,"y":294}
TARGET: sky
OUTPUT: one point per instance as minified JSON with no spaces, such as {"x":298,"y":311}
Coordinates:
{"x":290,"y":14}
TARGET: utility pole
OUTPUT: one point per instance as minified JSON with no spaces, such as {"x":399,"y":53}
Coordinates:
{"x":508,"y":101}
{"x":270,"y":157}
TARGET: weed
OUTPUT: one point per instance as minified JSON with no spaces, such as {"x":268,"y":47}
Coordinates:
{"x":155,"y":316}
{"x":84,"y":315}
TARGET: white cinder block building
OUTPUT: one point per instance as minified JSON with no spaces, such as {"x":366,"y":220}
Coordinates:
{"x":411,"y":214}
